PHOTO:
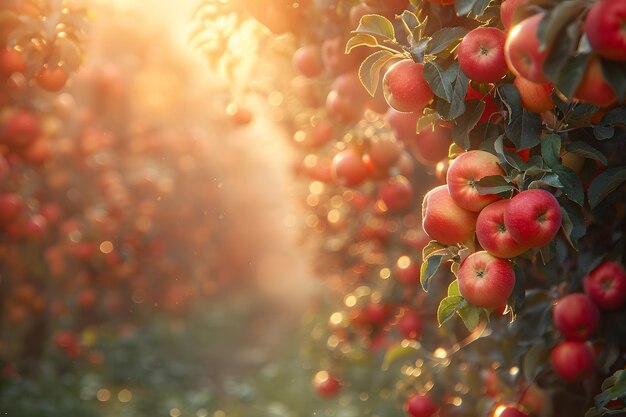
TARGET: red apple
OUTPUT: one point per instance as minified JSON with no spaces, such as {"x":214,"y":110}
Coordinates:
{"x":593,"y":87}
{"x":606,"y":285}
{"x":334,"y":57}
{"x":405,"y":88}
{"x":604,"y":26}
{"x":325,"y":384}
{"x":486,"y":281}
{"x":410,"y":324}
{"x":347,"y":168}
{"x":407,"y":271}
{"x":403,"y":125}
{"x":420,"y":406}
{"x":463,"y":173}
{"x":51,"y":79}
{"x":533,"y":218}
{"x":21,"y":128}
{"x":573,"y":361}
{"x":481,"y":55}
{"x":507,"y":10}
{"x":492,"y":233}
{"x":384,"y":151}
{"x":11,"y":61}
{"x":443,"y":220}
{"x":535,"y":97}
{"x":11,"y":205}
{"x":491,"y":112}
{"x":522,"y":50}
{"x":576,"y":317}
{"x":376,"y":313}
{"x":307,"y":60}
{"x":432,"y":144}
{"x":396,"y":193}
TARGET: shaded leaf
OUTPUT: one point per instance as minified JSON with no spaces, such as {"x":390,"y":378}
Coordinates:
{"x":535,"y":361}
{"x":470,"y":315}
{"x":493,"y":184}
{"x":572,"y":187}
{"x":439,"y":80}
{"x":523,"y":128}
{"x":443,"y":38}
{"x":361,"y":39}
{"x":586,"y":151}
{"x":396,"y":353}
{"x":466,"y":122}
{"x":550,"y":149}
{"x":604,"y":184}
{"x":429,"y":268}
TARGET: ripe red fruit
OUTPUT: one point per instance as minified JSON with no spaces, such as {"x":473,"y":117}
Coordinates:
{"x":407,"y":271}
{"x":535,"y":97}
{"x":463,"y":173}
{"x":533,"y":218}
{"x":420,"y":406}
{"x":486,"y":281}
{"x":576,"y":317}
{"x":492,"y":233}
{"x":507,"y":10}
{"x":432,"y":144}
{"x":410,"y":325}
{"x":593,"y":87}
{"x":326,"y":384}
{"x":21,"y":128}
{"x":481,"y":55}
{"x":396,"y":193}
{"x":512,"y":412}
{"x":606,"y":285}
{"x":443,"y":220}
{"x":334,"y":57}
{"x":522,"y":50}
{"x":604,"y":26}
{"x":307,"y":60}
{"x":11,"y":205}
{"x":347,"y":168}
{"x":11,"y":61}
{"x":51,"y":79}
{"x":405,"y":87}
{"x":572,"y":361}
{"x":384,"y":152}
{"x":403,"y":125}
{"x":376,"y":313}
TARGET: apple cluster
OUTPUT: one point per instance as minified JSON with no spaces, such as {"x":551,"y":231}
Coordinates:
{"x":505,"y":228}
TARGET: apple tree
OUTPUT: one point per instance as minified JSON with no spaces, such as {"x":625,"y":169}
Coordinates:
{"x":464,"y":169}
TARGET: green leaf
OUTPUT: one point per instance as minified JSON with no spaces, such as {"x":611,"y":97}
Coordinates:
{"x":411,"y":23}
{"x":374,"y":24}
{"x":523,"y":128}
{"x":432,"y":247}
{"x":548,"y":251}
{"x":586,"y":151}
{"x":396,"y":353}
{"x":557,"y":19}
{"x":440,"y":81}
{"x":550,"y":149}
{"x":453,"y":288}
{"x":361,"y":39}
{"x":493,"y":184}
{"x":604,"y":184}
{"x":535,"y":361}
{"x":573,"y":224}
{"x":613,"y":72}
{"x":371,"y":67}
{"x":430,"y":266}
{"x":418,"y":50}
{"x":444,"y":38}
{"x":466,"y":122}
{"x":559,"y":54}
{"x":572,"y":187}
{"x":456,"y":106}
{"x":615,"y":116}
{"x":571,"y":74}
{"x":465,"y":7}
{"x":470,"y":315}
{"x":447,"y":307}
